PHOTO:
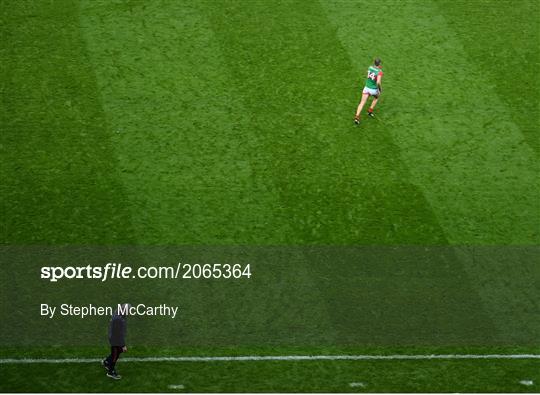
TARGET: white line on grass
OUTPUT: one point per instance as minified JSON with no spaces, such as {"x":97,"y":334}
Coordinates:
{"x":275,"y":358}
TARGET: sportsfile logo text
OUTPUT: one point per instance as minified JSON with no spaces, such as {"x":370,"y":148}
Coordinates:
{"x":121,"y":271}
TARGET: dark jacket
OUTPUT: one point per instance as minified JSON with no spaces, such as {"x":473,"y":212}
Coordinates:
{"x":117,"y":331}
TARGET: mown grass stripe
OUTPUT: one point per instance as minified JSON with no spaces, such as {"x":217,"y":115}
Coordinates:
{"x":58,"y":167}
{"x":184,"y":152}
{"x":455,"y":136}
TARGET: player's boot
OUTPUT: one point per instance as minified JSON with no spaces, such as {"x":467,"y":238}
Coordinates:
{"x":357,"y":120}
{"x":370,"y":113}
{"x":114,"y":375}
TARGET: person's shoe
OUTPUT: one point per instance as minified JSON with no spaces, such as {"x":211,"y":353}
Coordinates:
{"x":105,"y":364}
{"x":357,"y":120}
{"x":114,"y":375}
{"x":370,"y":113}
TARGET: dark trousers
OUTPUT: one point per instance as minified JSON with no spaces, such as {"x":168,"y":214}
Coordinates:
{"x":113,"y":357}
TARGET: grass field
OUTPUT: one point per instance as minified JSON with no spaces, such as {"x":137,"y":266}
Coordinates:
{"x":281,"y":376}
{"x":202,"y":126}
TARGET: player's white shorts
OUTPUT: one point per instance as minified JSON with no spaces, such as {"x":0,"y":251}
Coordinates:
{"x":371,"y":92}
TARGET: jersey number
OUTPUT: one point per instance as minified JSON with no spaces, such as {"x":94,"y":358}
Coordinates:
{"x":371,"y":76}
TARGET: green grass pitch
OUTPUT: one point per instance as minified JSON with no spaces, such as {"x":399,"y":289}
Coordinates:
{"x":229,"y":123}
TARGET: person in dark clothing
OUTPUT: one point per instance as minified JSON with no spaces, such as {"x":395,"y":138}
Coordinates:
{"x":117,"y":340}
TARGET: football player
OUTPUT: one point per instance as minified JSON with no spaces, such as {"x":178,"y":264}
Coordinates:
{"x":372,"y":88}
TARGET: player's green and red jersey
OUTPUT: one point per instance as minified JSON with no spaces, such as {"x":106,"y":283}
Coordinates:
{"x":372,"y":74}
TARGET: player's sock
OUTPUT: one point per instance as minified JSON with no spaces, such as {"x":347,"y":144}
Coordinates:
{"x":370,"y":112}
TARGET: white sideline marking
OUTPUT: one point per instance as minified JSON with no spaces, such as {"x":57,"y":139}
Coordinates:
{"x":357,"y":385}
{"x":176,"y":386}
{"x":526,"y":382}
{"x":275,"y":358}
